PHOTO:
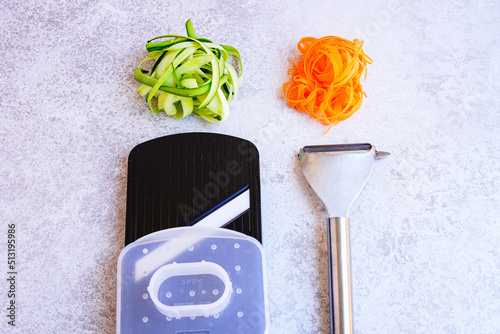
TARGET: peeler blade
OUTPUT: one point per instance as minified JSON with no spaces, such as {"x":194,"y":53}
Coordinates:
{"x":337,"y":173}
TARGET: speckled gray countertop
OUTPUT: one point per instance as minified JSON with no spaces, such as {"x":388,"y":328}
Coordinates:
{"x":425,"y":230}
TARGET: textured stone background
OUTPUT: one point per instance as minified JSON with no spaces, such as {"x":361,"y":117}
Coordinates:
{"x":425,"y":230}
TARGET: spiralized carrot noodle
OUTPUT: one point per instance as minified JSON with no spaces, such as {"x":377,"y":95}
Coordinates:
{"x":326,"y":82}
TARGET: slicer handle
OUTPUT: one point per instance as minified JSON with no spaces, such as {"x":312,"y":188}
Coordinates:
{"x":339,"y":259}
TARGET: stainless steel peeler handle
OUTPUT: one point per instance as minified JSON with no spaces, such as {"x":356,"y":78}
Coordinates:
{"x":340,"y":276}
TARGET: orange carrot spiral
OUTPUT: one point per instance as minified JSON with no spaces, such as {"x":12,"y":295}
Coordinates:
{"x":326,"y":82}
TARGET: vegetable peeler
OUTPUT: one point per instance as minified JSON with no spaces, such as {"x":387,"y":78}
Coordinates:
{"x":338,"y":173}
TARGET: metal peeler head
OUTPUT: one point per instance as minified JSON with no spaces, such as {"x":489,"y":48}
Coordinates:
{"x":338,"y":173}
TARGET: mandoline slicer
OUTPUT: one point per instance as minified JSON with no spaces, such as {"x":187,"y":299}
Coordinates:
{"x":180,"y":272}
{"x":177,"y":180}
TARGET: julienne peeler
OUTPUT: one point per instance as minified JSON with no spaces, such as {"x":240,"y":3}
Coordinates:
{"x":338,"y":173}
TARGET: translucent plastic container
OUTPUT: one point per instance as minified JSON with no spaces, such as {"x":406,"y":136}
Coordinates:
{"x":192,"y":280}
